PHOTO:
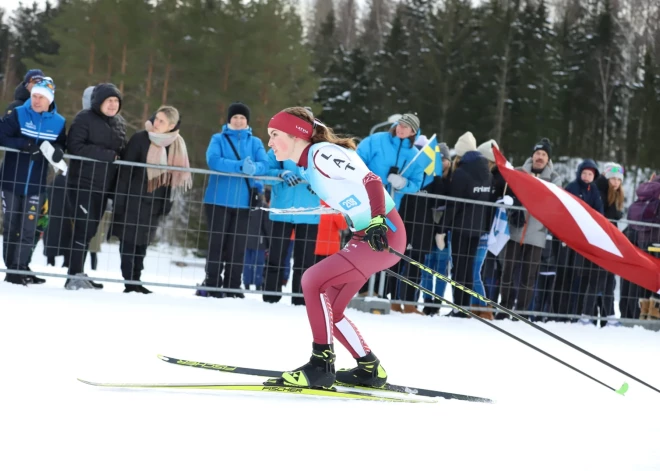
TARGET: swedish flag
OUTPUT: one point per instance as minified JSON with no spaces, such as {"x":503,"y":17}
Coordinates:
{"x":430,"y":151}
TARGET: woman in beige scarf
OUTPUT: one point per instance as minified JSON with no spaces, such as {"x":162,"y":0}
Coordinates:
{"x":144,"y":195}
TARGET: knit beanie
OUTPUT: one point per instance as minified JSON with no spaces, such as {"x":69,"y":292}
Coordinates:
{"x":486,"y":149}
{"x":238,"y":108}
{"x":411,"y":120}
{"x":544,"y":145}
{"x":444,"y":151}
{"x":33,"y":74}
{"x":45,"y":88}
{"x":613,"y":170}
{"x":465,"y":143}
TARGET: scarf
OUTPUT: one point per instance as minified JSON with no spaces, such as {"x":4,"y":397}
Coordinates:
{"x":177,"y":157}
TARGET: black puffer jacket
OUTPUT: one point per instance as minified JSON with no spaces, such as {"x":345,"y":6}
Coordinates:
{"x":99,"y":137}
{"x":136,"y":211}
{"x":471,"y":180}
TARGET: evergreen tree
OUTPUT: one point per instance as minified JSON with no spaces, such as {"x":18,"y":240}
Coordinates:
{"x":533,"y":90}
{"x":376,"y":26}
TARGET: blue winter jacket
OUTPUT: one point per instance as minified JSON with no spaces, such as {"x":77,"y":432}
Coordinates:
{"x":382,"y":151}
{"x":284,"y":196}
{"x":233,"y":191}
{"x":587,"y":192}
{"x":18,"y":173}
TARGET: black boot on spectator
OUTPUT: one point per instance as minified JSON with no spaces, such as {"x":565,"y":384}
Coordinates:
{"x":430,"y":311}
{"x":94,"y":259}
{"x":136,"y":289}
{"x":235,"y":295}
{"x":142,"y":289}
{"x":16,"y":279}
{"x":500,"y":316}
{"x":34,"y":280}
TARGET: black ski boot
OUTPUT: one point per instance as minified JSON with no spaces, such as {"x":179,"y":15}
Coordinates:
{"x":318,"y":373}
{"x":367,"y":373}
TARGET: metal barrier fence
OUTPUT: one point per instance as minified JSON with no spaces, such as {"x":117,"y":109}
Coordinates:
{"x":209,"y":240}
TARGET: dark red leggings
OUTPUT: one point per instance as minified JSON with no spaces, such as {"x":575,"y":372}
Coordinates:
{"x":330,"y":285}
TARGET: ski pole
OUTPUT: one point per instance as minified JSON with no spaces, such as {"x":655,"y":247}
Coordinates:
{"x":622,"y":390}
{"x":517,"y":316}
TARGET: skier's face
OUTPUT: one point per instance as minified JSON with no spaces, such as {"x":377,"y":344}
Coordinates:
{"x":281,"y":143}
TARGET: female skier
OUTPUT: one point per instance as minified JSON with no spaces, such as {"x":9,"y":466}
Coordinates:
{"x":341,"y":179}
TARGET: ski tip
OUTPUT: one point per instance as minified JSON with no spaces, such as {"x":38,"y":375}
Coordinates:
{"x":163,"y":357}
{"x":623,"y":389}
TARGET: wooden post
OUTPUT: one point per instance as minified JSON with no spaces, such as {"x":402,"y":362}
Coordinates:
{"x":123,"y":68}
{"x":166,"y":82}
{"x":147,"y":92}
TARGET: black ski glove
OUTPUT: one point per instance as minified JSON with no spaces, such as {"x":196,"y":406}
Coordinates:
{"x":33,"y":149}
{"x":375,"y":234}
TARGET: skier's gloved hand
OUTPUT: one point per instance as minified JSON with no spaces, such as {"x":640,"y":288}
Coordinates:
{"x":398,"y":182}
{"x":375,"y":234}
{"x":249,"y":167}
{"x":290,"y":178}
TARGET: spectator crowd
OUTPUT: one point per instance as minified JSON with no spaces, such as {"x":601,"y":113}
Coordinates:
{"x":446,"y":206}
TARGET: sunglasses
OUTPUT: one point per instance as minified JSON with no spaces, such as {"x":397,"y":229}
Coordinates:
{"x":46,"y":83}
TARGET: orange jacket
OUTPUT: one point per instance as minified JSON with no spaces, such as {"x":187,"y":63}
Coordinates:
{"x":328,"y":240}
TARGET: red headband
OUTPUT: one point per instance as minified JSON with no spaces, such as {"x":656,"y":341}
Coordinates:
{"x":291,"y":124}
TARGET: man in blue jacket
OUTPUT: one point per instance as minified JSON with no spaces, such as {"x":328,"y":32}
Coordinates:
{"x":292,"y":192}
{"x":228,"y":198}
{"x":23,"y":174}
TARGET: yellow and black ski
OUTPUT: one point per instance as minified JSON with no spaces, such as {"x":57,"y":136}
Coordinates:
{"x":335,"y":392}
{"x":409,"y":391}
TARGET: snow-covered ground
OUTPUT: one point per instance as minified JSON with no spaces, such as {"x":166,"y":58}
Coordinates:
{"x":546,"y":416}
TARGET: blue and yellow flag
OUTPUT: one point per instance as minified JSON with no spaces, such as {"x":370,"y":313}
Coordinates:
{"x":430,"y":154}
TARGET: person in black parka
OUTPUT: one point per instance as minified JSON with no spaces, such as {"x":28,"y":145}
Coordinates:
{"x":99,"y":134}
{"x":144,"y":195}
{"x":471,"y":179}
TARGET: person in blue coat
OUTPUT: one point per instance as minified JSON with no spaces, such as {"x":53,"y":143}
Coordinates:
{"x":23,"y":174}
{"x":228,"y":198}
{"x":390,"y":155}
{"x":290,"y":192}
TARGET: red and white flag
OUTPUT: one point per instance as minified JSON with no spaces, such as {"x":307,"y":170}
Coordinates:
{"x":581,"y":228}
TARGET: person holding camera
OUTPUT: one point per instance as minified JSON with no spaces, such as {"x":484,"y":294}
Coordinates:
{"x":37,"y":130}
